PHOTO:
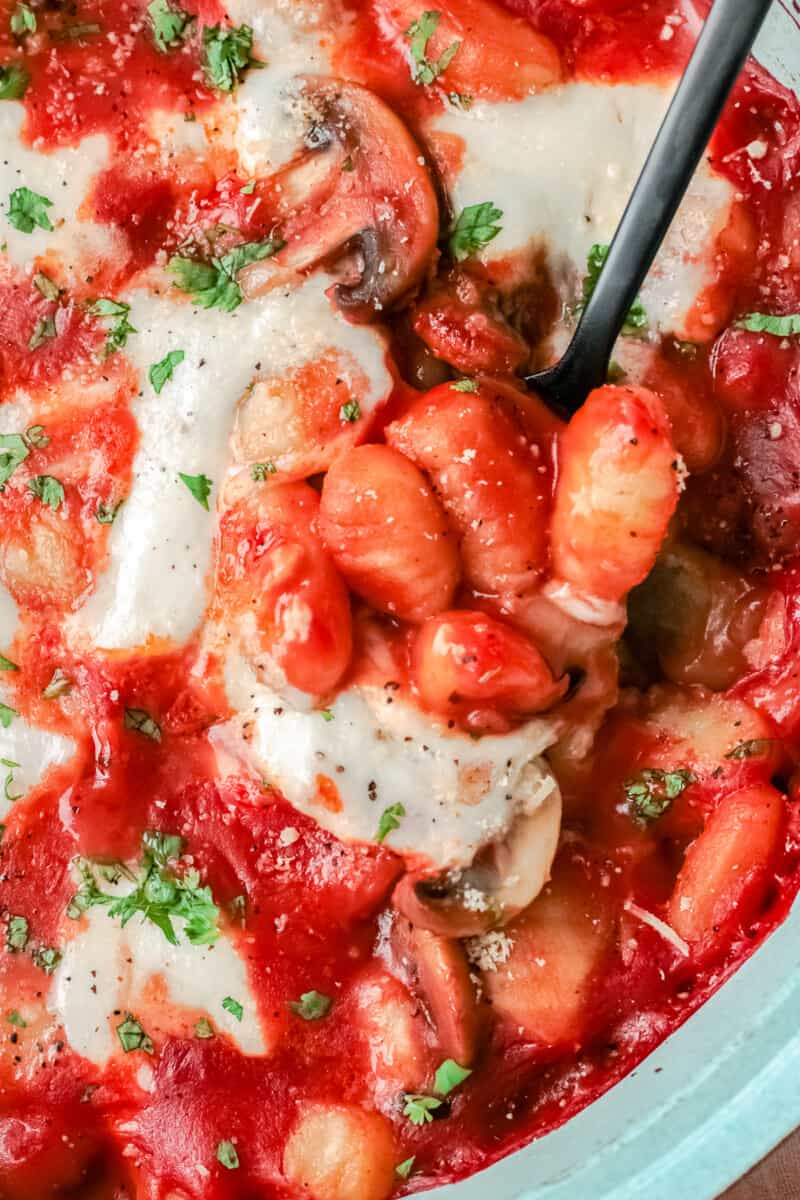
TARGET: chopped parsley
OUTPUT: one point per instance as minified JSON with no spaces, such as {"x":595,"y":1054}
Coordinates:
{"x":43,"y":331}
{"x":16,"y":934}
{"x":425,"y":70}
{"x":233,"y":1007}
{"x":448,"y":1076}
{"x":161,"y":372}
{"x":11,"y":767}
{"x":420,"y":1109}
{"x":7,"y":715}
{"x":260,"y":471}
{"x":651,"y":793}
{"x":117,"y":312}
{"x":45,"y":286}
{"x":14,"y":81}
{"x":170,"y":25}
{"x":203,"y":1028}
{"x":46,"y":958}
{"x":27,"y":209}
{"x":248,"y":188}
{"x":464,"y":385}
{"x":13,"y":452}
{"x":473,"y":229}
{"x":48,"y":489}
{"x":636,"y":319}
{"x":311,"y":1006}
{"x":23,"y":20}
{"x":140,"y":720}
{"x":751,"y":749}
{"x":390,"y":820}
{"x":159,"y":896}
{"x":59,"y":685}
{"x":327,"y":715}
{"x":226,"y":55}
{"x":226,"y":1154}
{"x":403,"y":1169}
{"x":35,"y":437}
{"x":199,"y":485}
{"x":351,"y":412}
{"x":778,"y":326}
{"x":133,"y":1037}
{"x":14,"y":1018}
{"x":6,"y":664}
{"x":106,"y":513}
{"x":214,"y":284}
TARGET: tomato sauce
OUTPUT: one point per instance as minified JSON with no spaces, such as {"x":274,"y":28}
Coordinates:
{"x":621,"y":925}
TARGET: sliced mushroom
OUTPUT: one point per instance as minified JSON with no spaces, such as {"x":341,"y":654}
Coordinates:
{"x":437,"y":971}
{"x":502,"y":880}
{"x":357,"y":199}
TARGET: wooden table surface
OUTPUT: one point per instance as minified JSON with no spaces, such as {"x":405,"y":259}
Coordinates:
{"x":777,"y":1178}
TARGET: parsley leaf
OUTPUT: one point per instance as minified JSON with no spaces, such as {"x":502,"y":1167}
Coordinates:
{"x":425,"y":70}
{"x":9,"y":779}
{"x":48,"y":489}
{"x":6,"y":664}
{"x":14,"y":1018}
{"x":23,"y":20}
{"x":141,"y":721}
{"x":13,"y":452}
{"x":116,"y":311}
{"x":226,"y":1154}
{"x":751,"y":749}
{"x":311,"y":1006}
{"x":419,"y":1109}
{"x":260,"y":471}
{"x":170,"y":25}
{"x":473,"y":229}
{"x":45,"y":286}
{"x":351,"y":412}
{"x":161,"y":372}
{"x":403,"y":1169}
{"x":464,"y":385}
{"x":448,"y":1076}
{"x":763,"y":323}
{"x":16,"y":934}
{"x":226,"y":55}
{"x":199,"y":485}
{"x":43,"y":331}
{"x":35,"y":437}
{"x":390,"y":820}
{"x":214,"y":285}
{"x":27,"y":209}
{"x":7,"y":715}
{"x":133,"y":1037}
{"x":248,"y":188}
{"x":46,"y":958}
{"x":651,"y":793}
{"x":14,"y":82}
{"x":106,"y":513}
{"x":636,"y":319}
{"x":233,"y":1007}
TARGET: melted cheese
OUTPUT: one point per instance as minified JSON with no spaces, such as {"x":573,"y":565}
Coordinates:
{"x":160,"y":543}
{"x":561,"y":165}
{"x":375,"y":750}
{"x":107,"y":970}
{"x":63,"y":176}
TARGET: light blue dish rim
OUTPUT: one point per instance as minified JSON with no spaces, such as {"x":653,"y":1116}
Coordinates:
{"x":723,"y":1090}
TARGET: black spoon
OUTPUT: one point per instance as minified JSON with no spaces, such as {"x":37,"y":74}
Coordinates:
{"x":719,"y":55}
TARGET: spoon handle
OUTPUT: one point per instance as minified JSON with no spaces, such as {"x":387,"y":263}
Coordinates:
{"x":723,"y":46}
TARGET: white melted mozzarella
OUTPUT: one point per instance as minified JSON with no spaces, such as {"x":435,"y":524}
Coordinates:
{"x":64,"y":176}
{"x":271,"y":118}
{"x":154,"y":585}
{"x":459,"y":793}
{"x":34,"y":751}
{"x":561,"y":165}
{"x":107,"y":970}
